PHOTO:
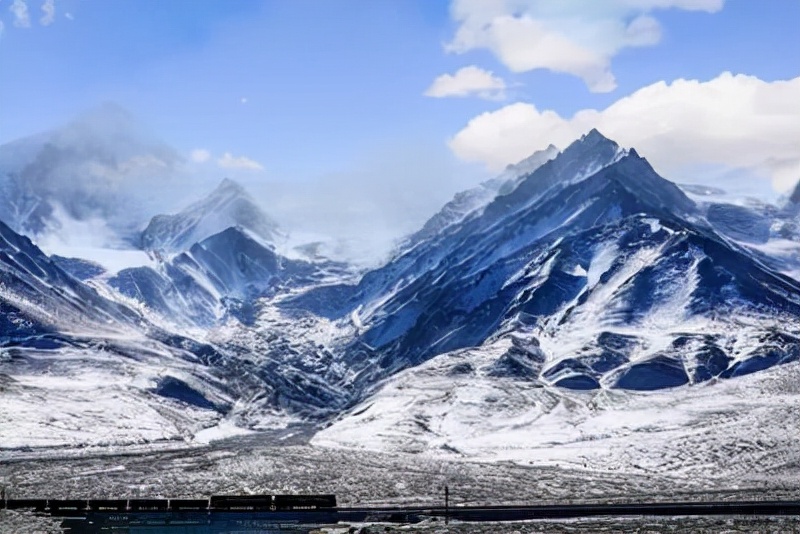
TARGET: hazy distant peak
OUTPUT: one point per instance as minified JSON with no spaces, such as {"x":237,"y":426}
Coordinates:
{"x":95,"y":167}
{"x":229,"y":205}
{"x":230,"y":187}
{"x":107,"y":124}
{"x":107,"y":112}
{"x":795,"y":196}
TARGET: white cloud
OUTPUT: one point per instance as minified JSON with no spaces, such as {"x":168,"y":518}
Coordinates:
{"x":228,"y":161}
{"x":733,"y":122}
{"x":468,"y":81}
{"x":49,"y":10}
{"x":2,"y":28}
{"x":22,"y":18}
{"x":569,"y":36}
{"x":243,"y":100}
{"x":200,"y":155}
{"x":69,"y":16}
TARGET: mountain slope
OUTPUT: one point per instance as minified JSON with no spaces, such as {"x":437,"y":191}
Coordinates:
{"x":453,"y":407}
{"x":78,"y":368}
{"x":224,"y":273}
{"x":473,"y":200}
{"x":45,"y":297}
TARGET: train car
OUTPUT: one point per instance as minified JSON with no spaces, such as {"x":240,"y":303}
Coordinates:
{"x":261,"y":503}
{"x":193,"y":505}
{"x":304,"y":502}
{"x":148,"y":505}
{"x":38,"y":505}
{"x":242,"y":503}
{"x":108,"y":505}
{"x":64,"y":506}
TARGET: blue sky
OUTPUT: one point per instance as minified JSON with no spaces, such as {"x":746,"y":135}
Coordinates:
{"x":341,"y":94}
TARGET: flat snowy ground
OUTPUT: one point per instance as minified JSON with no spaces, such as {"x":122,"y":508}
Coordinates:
{"x":283,"y":462}
{"x":258,"y":464}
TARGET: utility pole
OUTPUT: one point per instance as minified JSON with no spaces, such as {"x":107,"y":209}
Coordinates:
{"x":446,"y":505}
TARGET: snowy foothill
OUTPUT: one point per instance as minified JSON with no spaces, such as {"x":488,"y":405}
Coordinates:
{"x":93,"y":398}
{"x":451,"y":408}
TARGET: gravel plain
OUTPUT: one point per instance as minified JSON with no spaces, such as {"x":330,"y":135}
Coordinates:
{"x":285,"y":463}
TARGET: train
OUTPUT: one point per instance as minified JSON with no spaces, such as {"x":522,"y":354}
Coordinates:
{"x":215,"y":503}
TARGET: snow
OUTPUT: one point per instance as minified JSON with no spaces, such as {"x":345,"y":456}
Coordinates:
{"x":685,"y":431}
{"x":224,"y":430}
{"x":92,"y":397}
{"x":602,"y":261}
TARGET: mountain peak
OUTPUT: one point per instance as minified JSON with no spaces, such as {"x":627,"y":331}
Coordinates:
{"x":594,"y":137}
{"x":230,"y":187}
{"x":794,"y":198}
{"x":228,"y":183}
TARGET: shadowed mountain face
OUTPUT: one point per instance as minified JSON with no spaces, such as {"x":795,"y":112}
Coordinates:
{"x":39,"y":299}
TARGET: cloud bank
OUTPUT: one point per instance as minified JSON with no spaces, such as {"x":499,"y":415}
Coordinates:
{"x":229,"y":161}
{"x":568,"y":36}
{"x":468,"y":81}
{"x":732,"y":121}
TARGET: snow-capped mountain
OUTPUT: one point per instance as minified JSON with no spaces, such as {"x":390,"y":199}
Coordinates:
{"x":544,"y":317}
{"x":608,"y":270}
{"x":229,"y":205}
{"x":215,"y":259}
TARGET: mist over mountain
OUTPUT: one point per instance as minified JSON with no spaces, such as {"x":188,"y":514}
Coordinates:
{"x":101,"y":166}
